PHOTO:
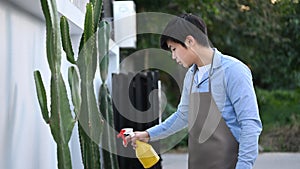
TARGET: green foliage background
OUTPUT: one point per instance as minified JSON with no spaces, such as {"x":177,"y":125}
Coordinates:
{"x":280,"y":114}
{"x":262,"y":34}
{"x":265,"y":35}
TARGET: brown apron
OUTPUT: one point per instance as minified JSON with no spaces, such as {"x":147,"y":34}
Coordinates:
{"x":211,"y":144}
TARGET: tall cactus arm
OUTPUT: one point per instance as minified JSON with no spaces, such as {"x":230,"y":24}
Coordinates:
{"x":89,"y":150}
{"x":105,"y":142}
{"x":105,"y":104}
{"x":89,"y":44}
{"x":49,"y":29}
{"x":81,"y":43}
{"x":89,"y":20}
{"x":56,"y":38}
{"x":83,"y":144}
{"x":89,"y":116}
{"x":97,"y":4}
{"x":61,"y":120}
{"x":108,"y":143}
{"x":53,"y":43}
{"x":66,"y":40}
{"x":97,"y":8}
{"x":63,"y":156}
{"x":90,"y":122}
{"x":103,"y":48}
{"x":112,"y":138}
{"x":41,"y":93}
{"x":75,"y":88}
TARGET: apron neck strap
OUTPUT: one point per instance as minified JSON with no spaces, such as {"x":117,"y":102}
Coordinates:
{"x":209,"y":75}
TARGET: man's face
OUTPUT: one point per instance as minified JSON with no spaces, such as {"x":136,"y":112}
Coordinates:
{"x":181,"y":54}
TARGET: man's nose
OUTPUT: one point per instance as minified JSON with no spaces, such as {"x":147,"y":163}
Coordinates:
{"x":173,"y":56}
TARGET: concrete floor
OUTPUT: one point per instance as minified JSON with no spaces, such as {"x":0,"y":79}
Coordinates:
{"x":264,"y":161}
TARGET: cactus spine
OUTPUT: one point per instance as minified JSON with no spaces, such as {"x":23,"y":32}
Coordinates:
{"x":59,"y":118}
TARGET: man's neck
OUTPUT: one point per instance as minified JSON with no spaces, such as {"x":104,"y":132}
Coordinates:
{"x":205,"y":56}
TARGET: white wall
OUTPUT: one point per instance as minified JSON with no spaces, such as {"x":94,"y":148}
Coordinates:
{"x":25,"y":139}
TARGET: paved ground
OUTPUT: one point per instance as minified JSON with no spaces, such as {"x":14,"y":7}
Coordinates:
{"x":264,"y":161}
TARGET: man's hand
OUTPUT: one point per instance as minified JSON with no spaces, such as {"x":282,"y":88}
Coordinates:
{"x":138,"y":135}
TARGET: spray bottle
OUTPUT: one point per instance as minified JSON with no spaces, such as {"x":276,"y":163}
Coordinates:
{"x":144,"y":152}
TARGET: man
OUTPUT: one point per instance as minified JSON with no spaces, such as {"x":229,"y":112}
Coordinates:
{"x":218,"y":101}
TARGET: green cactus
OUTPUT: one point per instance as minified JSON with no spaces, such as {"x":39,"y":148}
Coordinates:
{"x":66,"y":40}
{"x":85,"y":105}
{"x":80,"y":78}
{"x":75,"y":89}
{"x":103,"y":49}
{"x":108,"y":142}
{"x":59,"y":118}
{"x":90,"y":126}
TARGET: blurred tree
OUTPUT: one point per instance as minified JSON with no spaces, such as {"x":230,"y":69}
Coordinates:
{"x":263,"y":34}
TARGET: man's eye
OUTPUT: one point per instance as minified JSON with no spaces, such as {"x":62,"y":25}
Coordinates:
{"x":173,"y":49}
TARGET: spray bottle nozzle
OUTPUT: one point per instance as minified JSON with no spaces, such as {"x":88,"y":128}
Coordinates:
{"x":124,"y":132}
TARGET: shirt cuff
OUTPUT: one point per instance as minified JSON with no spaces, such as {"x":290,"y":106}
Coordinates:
{"x":153,"y":134}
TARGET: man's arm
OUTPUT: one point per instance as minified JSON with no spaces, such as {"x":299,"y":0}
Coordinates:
{"x":177,"y":120}
{"x":242,"y":96}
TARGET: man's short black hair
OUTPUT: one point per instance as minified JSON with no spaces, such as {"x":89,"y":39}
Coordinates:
{"x":180,"y":27}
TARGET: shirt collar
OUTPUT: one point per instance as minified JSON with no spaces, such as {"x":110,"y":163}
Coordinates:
{"x":216,"y":62}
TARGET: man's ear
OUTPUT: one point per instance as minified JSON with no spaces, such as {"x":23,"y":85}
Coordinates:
{"x":189,"y":41}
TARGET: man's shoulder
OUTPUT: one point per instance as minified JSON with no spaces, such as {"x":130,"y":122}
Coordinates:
{"x":229,"y":60}
{"x":230,"y":63}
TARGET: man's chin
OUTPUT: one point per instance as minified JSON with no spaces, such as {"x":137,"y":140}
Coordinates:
{"x":187,"y":66}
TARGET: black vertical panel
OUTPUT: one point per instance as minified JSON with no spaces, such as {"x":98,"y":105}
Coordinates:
{"x":149,"y":87}
{"x":118,"y":118}
{"x":119,"y":84}
{"x":134,"y":163}
{"x":138,"y":89}
{"x":152,"y":83}
{"x":139,"y":100}
{"x":155,"y":76}
{"x":129,"y":93}
{"x":132,"y":99}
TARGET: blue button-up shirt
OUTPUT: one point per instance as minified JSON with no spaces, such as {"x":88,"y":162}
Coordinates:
{"x":233,"y":92}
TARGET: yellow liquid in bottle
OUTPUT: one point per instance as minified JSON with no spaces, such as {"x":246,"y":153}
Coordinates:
{"x":146,"y":154}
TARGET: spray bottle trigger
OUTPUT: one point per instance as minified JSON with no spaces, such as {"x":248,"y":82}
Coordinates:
{"x":124,"y":132}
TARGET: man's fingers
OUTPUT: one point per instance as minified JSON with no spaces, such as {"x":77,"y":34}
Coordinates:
{"x":133,"y":145}
{"x":126,"y":141}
